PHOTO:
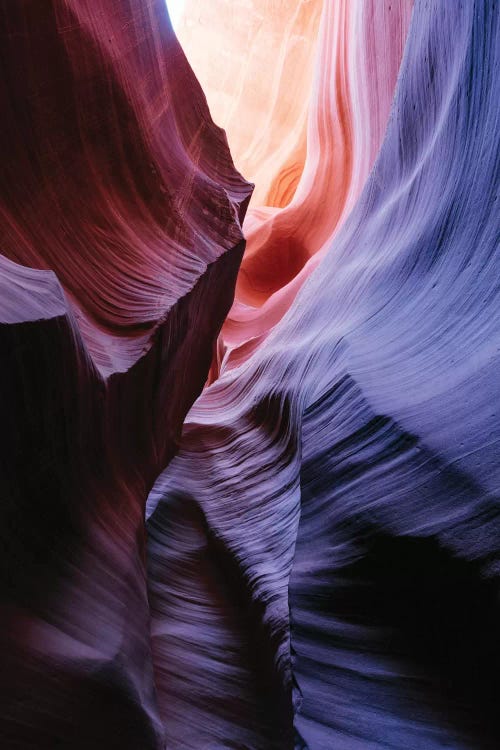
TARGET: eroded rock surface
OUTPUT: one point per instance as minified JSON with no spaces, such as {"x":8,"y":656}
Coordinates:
{"x":336,"y":493}
{"x":121,"y":240}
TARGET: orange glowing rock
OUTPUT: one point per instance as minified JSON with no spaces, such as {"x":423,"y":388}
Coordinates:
{"x":305,"y":125}
{"x":255,"y":62}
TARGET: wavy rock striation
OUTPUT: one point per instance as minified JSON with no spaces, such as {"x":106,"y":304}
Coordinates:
{"x":255,"y":61}
{"x":323,"y":551}
{"x":121,"y":241}
{"x":305,"y":104}
{"x":360,"y":50}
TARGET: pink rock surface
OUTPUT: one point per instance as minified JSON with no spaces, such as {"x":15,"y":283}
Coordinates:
{"x":305,"y":104}
{"x":360,"y":50}
{"x":255,"y":60}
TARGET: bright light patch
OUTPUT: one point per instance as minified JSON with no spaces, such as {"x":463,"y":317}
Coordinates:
{"x":175,"y":8}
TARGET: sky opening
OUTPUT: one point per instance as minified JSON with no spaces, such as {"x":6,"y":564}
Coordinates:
{"x":175,"y":10}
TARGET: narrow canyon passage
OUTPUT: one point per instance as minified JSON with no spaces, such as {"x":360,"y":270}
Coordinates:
{"x":304,"y":91}
{"x":250,"y":337}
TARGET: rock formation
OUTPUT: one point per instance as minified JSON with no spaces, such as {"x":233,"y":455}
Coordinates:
{"x":324,"y":548}
{"x":121,"y":241}
{"x":317,"y":564}
{"x":307,"y":135}
{"x":255,"y":61}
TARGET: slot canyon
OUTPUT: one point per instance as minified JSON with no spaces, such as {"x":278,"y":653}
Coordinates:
{"x":250,"y":375}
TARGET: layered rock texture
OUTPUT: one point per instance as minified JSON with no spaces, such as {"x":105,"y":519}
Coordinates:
{"x":255,"y":60}
{"x":121,"y":240}
{"x":324,"y":548}
{"x":306,"y":129}
{"x":319,"y":567}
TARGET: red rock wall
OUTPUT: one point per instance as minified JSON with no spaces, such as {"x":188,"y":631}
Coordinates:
{"x":121,"y":240}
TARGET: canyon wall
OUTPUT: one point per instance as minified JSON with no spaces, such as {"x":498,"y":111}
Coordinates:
{"x":316,"y":565}
{"x":121,"y":240}
{"x":323,"y":551}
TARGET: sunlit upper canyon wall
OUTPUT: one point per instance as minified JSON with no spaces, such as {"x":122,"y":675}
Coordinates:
{"x":303,"y":90}
{"x":255,"y":61}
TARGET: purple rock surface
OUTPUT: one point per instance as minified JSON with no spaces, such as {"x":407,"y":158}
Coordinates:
{"x":324,"y":549}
